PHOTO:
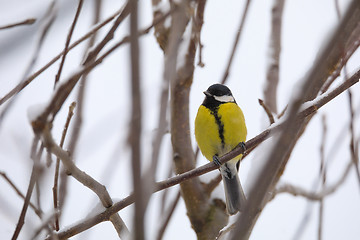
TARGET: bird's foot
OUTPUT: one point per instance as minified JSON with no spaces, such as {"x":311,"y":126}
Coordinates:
{"x":216,"y":160}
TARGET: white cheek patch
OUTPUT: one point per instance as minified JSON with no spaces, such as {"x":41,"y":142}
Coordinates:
{"x":225,"y":98}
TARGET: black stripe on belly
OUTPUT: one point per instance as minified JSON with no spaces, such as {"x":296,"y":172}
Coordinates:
{"x":220,"y":125}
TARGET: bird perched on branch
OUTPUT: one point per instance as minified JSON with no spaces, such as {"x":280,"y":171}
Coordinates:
{"x":219,"y":128}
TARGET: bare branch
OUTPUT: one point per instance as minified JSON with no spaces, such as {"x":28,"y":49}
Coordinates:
{"x":353,"y":151}
{"x":236,"y":41}
{"x":135,"y":124}
{"x":75,"y":131}
{"x":272,"y":76}
{"x":84,"y":178}
{"x":67,"y":43}
{"x":267,"y":110}
{"x":17,"y":190}
{"x":322,"y":173}
{"x":57,"y":167}
{"x":168,"y":214}
{"x":29,"y":21}
{"x":35,"y":174}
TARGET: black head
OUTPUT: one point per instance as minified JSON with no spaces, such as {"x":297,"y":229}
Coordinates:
{"x":218,"y":90}
{"x":217,"y":94}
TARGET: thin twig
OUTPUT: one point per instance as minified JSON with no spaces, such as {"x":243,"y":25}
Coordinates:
{"x":267,"y":111}
{"x":47,"y":21}
{"x":67,"y":43}
{"x":353,"y":151}
{"x":77,"y":123}
{"x":45,"y":225}
{"x":35,"y":174}
{"x":24,"y":22}
{"x":165,"y":192}
{"x":168,"y":214}
{"x":57,"y":167}
{"x":199,"y":21}
{"x":236,"y":41}
{"x":322,"y":173}
{"x":109,"y":36}
{"x":17,"y":190}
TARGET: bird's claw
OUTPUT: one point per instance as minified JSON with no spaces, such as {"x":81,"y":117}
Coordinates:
{"x":216,"y":160}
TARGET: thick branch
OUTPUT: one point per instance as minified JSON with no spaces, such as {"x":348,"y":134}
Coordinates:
{"x":276,"y":160}
{"x":272,"y":76}
{"x":135,"y":125}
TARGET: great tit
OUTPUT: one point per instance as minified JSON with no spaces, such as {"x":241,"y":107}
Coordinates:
{"x":219,"y":128}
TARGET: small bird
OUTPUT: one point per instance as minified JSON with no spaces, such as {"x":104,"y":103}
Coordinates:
{"x":219,"y":128}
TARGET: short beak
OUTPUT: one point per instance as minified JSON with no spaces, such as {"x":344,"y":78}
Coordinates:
{"x":207,"y":93}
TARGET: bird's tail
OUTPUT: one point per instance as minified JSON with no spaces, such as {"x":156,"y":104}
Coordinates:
{"x":234,"y":193}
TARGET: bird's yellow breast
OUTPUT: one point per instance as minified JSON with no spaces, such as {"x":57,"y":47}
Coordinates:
{"x":218,"y":132}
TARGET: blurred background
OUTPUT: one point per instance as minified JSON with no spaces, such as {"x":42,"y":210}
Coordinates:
{"x":103,"y":151}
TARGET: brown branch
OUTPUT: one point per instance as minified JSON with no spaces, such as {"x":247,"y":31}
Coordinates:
{"x":210,"y":186}
{"x":353,"y":150}
{"x":163,"y":124}
{"x":29,"y":21}
{"x":135,"y":125}
{"x":199,"y":21}
{"x":57,"y":167}
{"x":168,"y":214}
{"x":267,"y":111}
{"x":165,"y":192}
{"x":17,"y":190}
{"x":236,"y":41}
{"x":109,"y":36}
{"x":67,"y":43}
{"x":348,"y":51}
{"x":35,"y":174}
{"x":45,"y":224}
{"x":272,"y":75}
{"x":322,"y":173}
{"x":250,"y":144}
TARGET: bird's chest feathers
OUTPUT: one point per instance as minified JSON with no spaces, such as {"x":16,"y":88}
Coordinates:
{"x":223,"y":129}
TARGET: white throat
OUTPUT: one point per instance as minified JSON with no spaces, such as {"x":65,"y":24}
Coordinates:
{"x":224,"y":98}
